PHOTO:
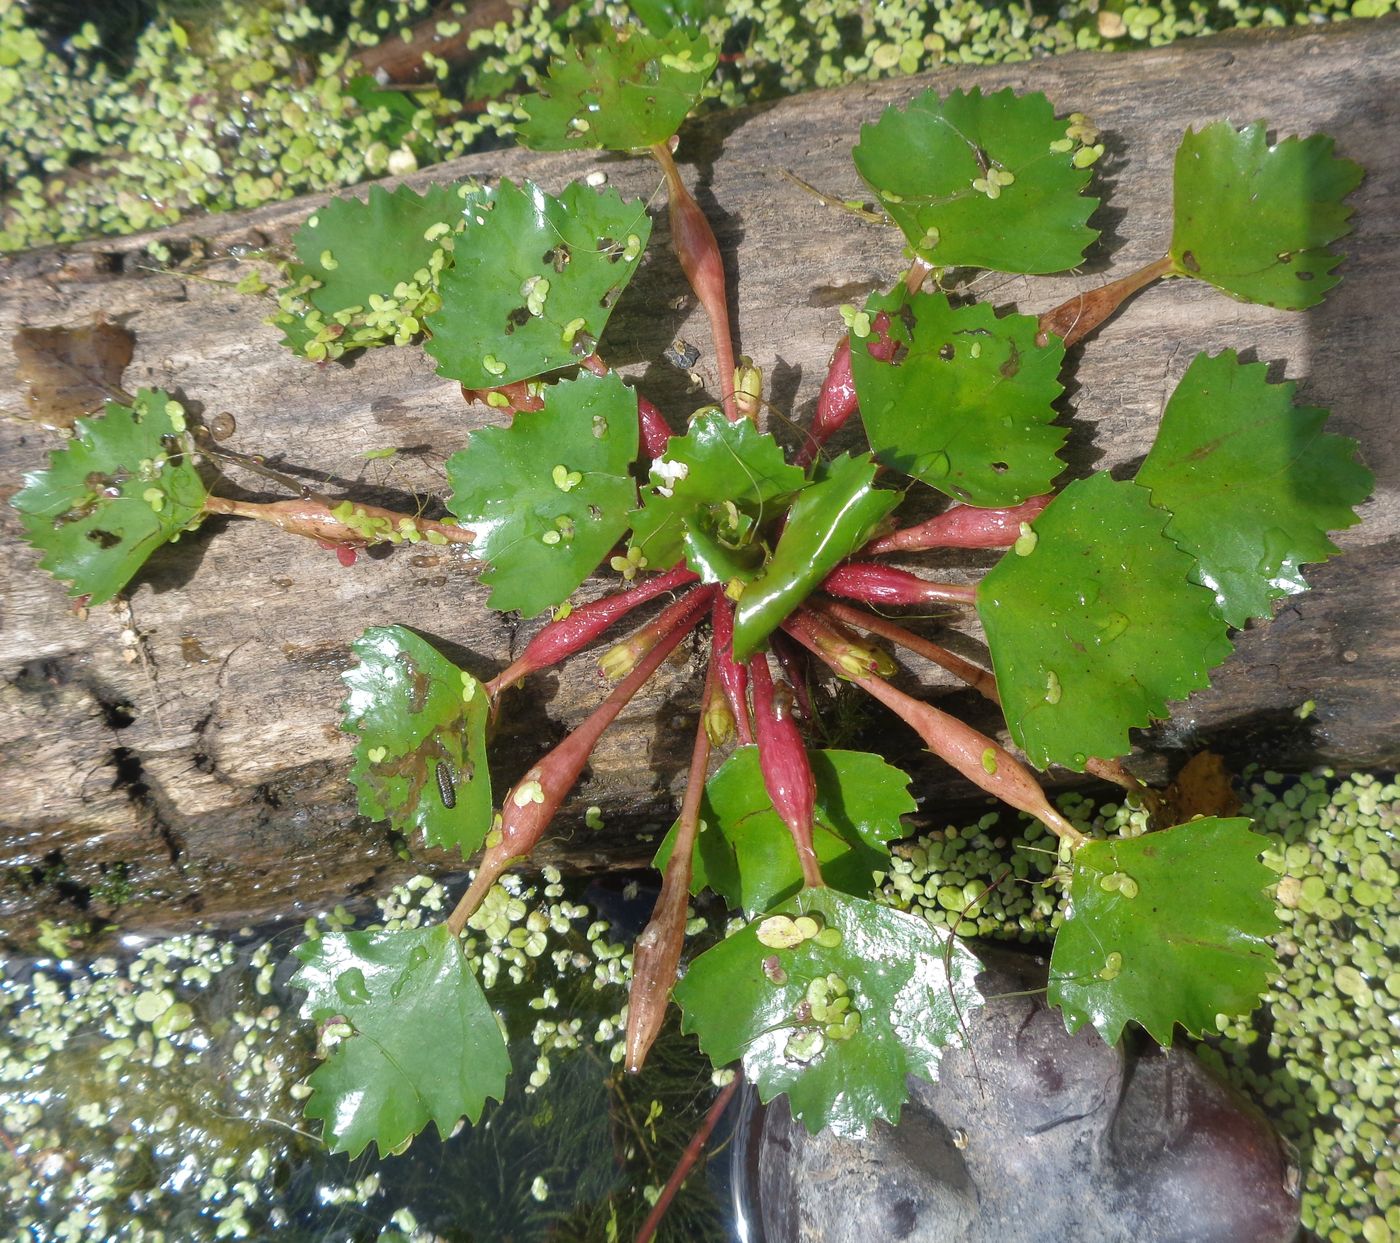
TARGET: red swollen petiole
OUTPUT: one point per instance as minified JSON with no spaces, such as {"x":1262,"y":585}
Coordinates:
{"x":871,"y":583}
{"x":531,"y":804}
{"x":782,"y":758}
{"x":562,"y":638}
{"x":963,"y":526}
{"x":981,"y":760}
{"x":733,"y":677}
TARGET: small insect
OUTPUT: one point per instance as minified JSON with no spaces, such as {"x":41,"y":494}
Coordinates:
{"x":444,"y":780}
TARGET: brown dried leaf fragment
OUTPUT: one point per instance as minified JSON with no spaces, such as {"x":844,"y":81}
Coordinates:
{"x":72,"y":372}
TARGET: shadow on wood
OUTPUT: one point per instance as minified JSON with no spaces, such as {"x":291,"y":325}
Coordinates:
{"x":191,"y":737}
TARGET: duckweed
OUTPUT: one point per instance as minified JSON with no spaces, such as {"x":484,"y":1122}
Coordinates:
{"x":155,"y":1093}
{"x":259,"y":100}
{"x":1318,"y":1054}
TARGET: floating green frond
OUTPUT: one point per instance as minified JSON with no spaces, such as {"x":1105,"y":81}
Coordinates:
{"x":967,"y":404}
{"x":548,"y":496}
{"x":628,"y":89}
{"x":985,"y":181}
{"x":1094,"y":624}
{"x":1256,"y":219}
{"x":534,"y":281}
{"x":1168,"y":929}
{"x":1252,"y":482}
{"x":418,"y":1041}
{"x":367,"y":270}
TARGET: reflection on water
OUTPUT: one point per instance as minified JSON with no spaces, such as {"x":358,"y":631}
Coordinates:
{"x":155,"y":1094}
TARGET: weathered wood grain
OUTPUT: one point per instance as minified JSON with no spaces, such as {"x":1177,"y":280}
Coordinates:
{"x":192,"y":734}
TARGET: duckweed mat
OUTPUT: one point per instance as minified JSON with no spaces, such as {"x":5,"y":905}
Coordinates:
{"x":157,"y":109}
{"x":153,"y":1094}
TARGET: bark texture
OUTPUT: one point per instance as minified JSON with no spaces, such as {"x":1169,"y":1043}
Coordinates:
{"x":189,"y":737}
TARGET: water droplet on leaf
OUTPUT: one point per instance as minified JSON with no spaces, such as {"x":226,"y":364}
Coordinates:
{"x":1112,"y":627}
{"x":351,"y":987}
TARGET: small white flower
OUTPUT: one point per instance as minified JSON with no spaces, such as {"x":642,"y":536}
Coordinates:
{"x":669,"y":473}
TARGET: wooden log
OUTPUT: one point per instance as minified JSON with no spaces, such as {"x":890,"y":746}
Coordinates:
{"x":188,"y":739}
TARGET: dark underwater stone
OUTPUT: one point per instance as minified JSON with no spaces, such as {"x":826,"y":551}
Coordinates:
{"x":1032,"y":1135}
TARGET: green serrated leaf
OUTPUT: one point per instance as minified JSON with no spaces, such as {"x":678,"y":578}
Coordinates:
{"x":1252,"y":482}
{"x":720,"y":479}
{"x":938,"y":168}
{"x":1166,"y":929}
{"x":745,"y":853}
{"x":626,"y":90}
{"x":832,"y":518}
{"x":534,"y":281}
{"x":777,"y":1009}
{"x":1096,"y":625}
{"x":967,"y":404}
{"x":420,"y":760}
{"x":122,"y":487}
{"x":1255,"y":219}
{"x":369,"y":268}
{"x":425,"y":1045}
{"x":548,"y":496}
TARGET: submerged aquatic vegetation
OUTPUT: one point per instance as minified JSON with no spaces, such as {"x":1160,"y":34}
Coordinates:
{"x":154,"y":1092}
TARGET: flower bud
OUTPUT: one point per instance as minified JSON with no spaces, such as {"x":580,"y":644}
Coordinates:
{"x":620,"y":659}
{"x":719,"y":721}
{"x":748,"y":388}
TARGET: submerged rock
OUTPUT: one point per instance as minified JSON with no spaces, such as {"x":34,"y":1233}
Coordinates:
{"x":1031,"y":1135}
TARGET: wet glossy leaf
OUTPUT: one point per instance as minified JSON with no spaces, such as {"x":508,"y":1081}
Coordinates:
{"x":420,"y":755}
{"x":370,"y":264}
{"x":1166,"y":929}
{"x":833,"y":517}
{"x":357,"y":248}
{"x":1252,"y":482}
{"x":123,"y":486}
{"x":708,"y":553}
{"x":424,"y":1046}
{"x":662,"y":16}
{"x":549,"y":495}
{"x":938,"y":168}
{"x":629,"y":88}
{"x":1095,"y":626}
{"x":1256,"y":220}
{"x":533,"y":282}
{"x":70,"y":372}
{"x":968,"y":403}
{"x":745,"y":853}
{"x":778,"y":1009}
{"x":720,"y":479}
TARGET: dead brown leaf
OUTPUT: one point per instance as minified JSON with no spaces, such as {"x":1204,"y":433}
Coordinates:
{"x":1202,"y":788}
{"x":72,"y":371}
